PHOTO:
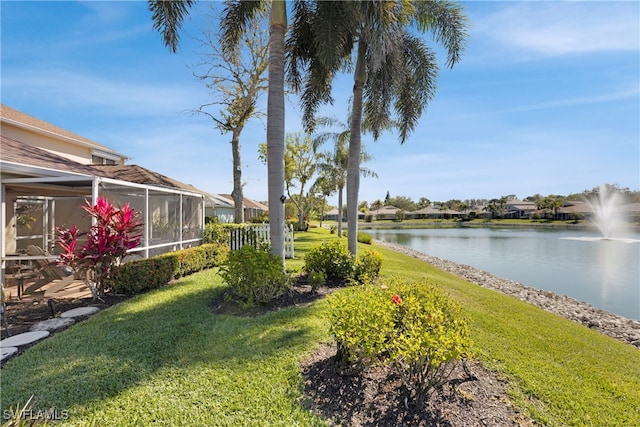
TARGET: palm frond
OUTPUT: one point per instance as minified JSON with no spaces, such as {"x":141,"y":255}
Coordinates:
{"x":237,"y":16}
{"x":447,"y":22}
{"x":167,"y":17}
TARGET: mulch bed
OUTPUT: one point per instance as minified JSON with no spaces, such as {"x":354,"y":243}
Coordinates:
{"x":23,"y":314}
{"x":473,"y":396}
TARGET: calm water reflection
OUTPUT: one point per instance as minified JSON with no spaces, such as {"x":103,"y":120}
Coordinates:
{"x":605,"y":274}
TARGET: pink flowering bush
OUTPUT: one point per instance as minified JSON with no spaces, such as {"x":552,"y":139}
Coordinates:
{"x":411,"y":327}
{"x":429,"y":336}
{"x":115,"y":231}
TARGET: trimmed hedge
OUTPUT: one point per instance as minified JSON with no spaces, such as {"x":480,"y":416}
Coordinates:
{"x":144,"y":274}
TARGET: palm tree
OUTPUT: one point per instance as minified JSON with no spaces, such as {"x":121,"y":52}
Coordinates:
{"x":334,"y":164}
{"x":168,"y":16}
{"x":394,"y":70}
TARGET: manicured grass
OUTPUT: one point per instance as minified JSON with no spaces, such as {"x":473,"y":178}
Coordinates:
{"x":163,"y":358}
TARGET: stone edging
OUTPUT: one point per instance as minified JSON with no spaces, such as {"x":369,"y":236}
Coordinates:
{"x":618,"y":327}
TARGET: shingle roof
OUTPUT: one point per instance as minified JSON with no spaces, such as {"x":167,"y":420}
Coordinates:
{"x":140,"y":175}
{"x":24,"y":120}
{"x":248,"y":203}
{"x":13,"y":151}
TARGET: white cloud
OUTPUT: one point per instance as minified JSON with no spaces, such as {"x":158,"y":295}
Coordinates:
{"x":110,"y":96}
{"x":560,"y":28}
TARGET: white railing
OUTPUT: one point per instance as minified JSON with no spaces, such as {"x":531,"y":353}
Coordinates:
{"x":256,"y":233}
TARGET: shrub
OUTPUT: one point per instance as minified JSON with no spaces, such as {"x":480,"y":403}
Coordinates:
{"x":364,"y":238}
{"x":429,"y":337}
{"x":259,"y":219}
{"x":367,"y":267}
{"x":141,"y":275}
{"x":214,"y":232}
{"x":413,"y":328}
{"x":361,"y":323}
{"x":144,"y":274}
{"x":198,"y":258}
{"x":254,"y":276}
{"x":316,"y":279}
{"x":331,"y":258}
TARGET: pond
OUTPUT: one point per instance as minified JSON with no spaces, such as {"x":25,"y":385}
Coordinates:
{"x":604,"y":273}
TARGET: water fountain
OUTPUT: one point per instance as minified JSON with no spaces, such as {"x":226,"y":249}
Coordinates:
{"x":607,"y":215}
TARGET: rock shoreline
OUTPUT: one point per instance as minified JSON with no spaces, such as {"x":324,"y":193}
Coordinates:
{"x":618,"y":327}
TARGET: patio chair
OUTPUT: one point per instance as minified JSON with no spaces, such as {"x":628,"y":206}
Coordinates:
{"x":49,"y":271}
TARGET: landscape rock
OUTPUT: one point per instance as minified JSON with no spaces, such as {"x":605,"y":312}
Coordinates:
{"x":53,"y":324}
{"x":80,"y":312}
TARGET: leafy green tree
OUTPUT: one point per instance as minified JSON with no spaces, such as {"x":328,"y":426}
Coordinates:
{"x":393,"y":70}
{"x":550,"y":204}
{"x":237,"y":79}
{"x":423,"y":202}
{"x":402,"y":202}
{"x":376,"y":204}
{"x":300,"y":168}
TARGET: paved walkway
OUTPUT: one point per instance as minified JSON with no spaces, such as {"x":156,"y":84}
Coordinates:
{"x":10,"y":346}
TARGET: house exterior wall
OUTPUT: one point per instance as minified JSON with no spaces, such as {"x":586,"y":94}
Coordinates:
{"x":61,"y":148}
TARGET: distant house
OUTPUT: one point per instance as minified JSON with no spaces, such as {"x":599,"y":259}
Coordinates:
{"x":573,"y":209}
{"x":333,"y":215}
{"x":385,"y":212}
{"x":219,"y":207}
{"x":431,"y":212}
{"x":577,"y":209}
{"x":631,"y":211}
{"x":47,"y":173}
{"x":252,"y":208}
{"x":519,"y":209}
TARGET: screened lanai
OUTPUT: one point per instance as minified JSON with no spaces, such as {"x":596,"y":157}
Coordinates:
{"x":35,"y":200}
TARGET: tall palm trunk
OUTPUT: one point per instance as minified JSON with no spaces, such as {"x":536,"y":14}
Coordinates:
{"x":353,"y":170}
{"x":340,"y":211}
{"x":238,"y":197}
{"x":275,"y":126}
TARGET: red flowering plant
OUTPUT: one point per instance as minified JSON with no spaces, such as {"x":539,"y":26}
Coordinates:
{"x":114,"y":231}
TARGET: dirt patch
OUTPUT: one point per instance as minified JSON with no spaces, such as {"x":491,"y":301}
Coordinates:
{"x":473,"y":396}
{"x":23,"y":314}
{"x":299,"y":295}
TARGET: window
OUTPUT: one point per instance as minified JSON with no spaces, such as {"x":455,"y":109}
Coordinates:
{"x":99,"y":160}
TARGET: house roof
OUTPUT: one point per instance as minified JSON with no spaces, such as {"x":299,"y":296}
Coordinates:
{"x":20,"y":119}
{"x":214,"y":200}
{"x":385,"y":210}
{"x":427,"y":210}
{"x":139,"y":175}
{"x":27,"y":156}
{"x":248,"y":203}
{"x":575,"y":206}
{"x":12,"y":151}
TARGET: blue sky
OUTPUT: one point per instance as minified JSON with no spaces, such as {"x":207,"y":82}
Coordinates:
{"x":546,"y":99}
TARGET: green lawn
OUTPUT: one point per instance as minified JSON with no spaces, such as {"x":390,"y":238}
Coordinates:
{"x":163,"y":358}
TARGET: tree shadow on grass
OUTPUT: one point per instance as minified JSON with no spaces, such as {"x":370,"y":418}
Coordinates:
{"x":121,"y":347}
